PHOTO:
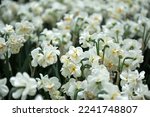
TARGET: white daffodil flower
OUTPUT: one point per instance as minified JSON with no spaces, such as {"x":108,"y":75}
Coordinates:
{"x":74,"y":88}
{"x":112,"y":92}
{"x":24,"y":28}
{"x":3,"y":88}
{"x":71,"y":69}
{"x":71,"y":62}
{"x":75,"y":54}
{"x":15,"y":42}
{"x":37,"y":57}
{"x":92,"y":57}
{"x":24,"y":85}
{"x":45,"y":56}
{"x":85,"y":39}
{"x":132,"y":78}
{"x":8,"y":29}
{"x":48,"y":34}
{"x":132,"y":84}
{"x":48,"y":84}
{"x":3,"y":46}
{"x":133,"y":45}
{"x":99,"y":74}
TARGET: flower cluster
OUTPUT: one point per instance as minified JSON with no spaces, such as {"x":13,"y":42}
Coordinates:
{"x":44,"y":56}
{"x":13,"y":38}
{"x":67,"y":49}
{"x":71,"y":62}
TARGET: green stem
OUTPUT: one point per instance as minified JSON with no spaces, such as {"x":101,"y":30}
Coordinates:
{"x":76,"y":93}
{"x":123,"y":63}
{"x":33,"y":69}
{"x":144,"y":32}
{"x":8,"y":69}
{"x":106,"y":46}
{"x":147,"y":37}
{"x":97,"y":45}
{"x":82,"y":70}
{"x":55,"y":68}
{"x":10,"y":93}
{"x":97,"y":49}
{"x":117,"y":37}
{"x":119,"y":64}
{"x":118,"y":78}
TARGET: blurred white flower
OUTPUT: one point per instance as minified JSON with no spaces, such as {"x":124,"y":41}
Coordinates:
{"x":36,"y":8}
{"x":73,"y":88}
{"x":48,"y":34}
{"x":8,"y":29}
{"x":24,"y":85}
{"x":24,"y":28}
{"x":96,"y":82}
{"x":37,"y":56}
{"x":91,"y":90}
{"x":95,"y":19}
{"x":142,"y":20}
{"x":132,"y":27}
{"x":111,"y":92}
{"x":142,"y":90}
{"x":92,"y":57}
{"x":93,"y":23}
{"x":132,"y":84}
{"x":137,"y":58}
{"x":15,"y":42}
{"x":71,"y":69}
{"x":3,"y":46}
{"x":67,"y":23}
{"x":132,"y":78}
{"x":127,"y":90}
{"x":50,"y":54}
{"x":75,"y":54}
{"x":38,"y":23}
{"x":48,"y":84}
{"x":99,"y":74}
{"x":85,"y":39}
{"x":45,"y":56}
{"x":46,"y":17}
{"x":111,"y":56}
{"x":71,"y":62}
{"x":133,"y":45}
{"x":3,"y":88}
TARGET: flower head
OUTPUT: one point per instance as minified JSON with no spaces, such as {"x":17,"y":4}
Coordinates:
{"x":44,"y":56}
{"x":24,"y":84}
{"x":3,"y":88}
{"x":24,"y":28}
